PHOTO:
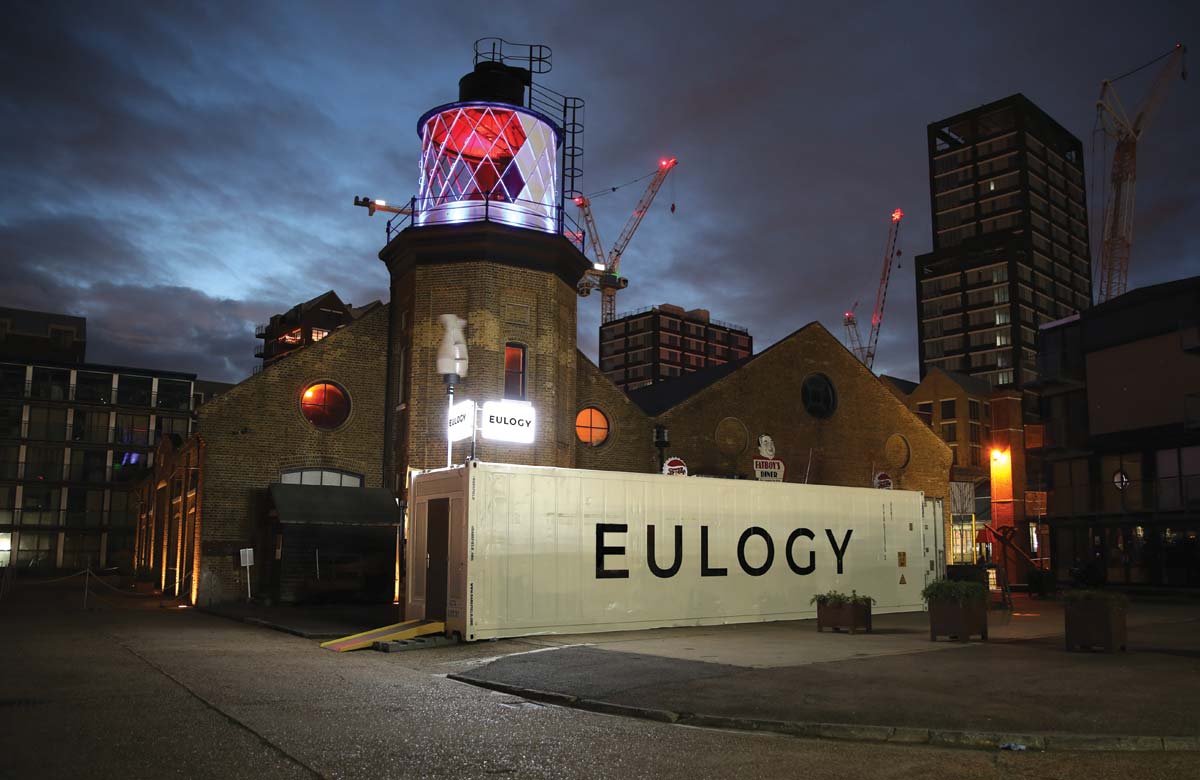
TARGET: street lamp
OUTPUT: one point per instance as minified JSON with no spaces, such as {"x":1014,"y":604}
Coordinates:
{"x":452,"y":365}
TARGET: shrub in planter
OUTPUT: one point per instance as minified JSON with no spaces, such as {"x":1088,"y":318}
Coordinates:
{"x":1042,"y":583}
{"x":956,"y":609}
{"x":1095,"y":618}
{"x":839,"y":611}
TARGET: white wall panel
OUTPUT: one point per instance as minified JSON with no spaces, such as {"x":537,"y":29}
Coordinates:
{"x":533,"y":567}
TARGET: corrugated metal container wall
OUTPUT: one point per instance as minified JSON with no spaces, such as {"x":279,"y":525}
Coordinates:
{"x":564,"y":551}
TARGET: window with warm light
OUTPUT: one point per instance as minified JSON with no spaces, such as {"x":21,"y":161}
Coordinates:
{"x":327,"y":477}
{"x":325,"y":405}
{"x":291,"y":337}
{"x":318,"y":334}
{"x":591,"y":426}
{"x":514,"y":371}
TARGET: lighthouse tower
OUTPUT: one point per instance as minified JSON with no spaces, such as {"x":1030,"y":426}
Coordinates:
{"x":487,"y":240}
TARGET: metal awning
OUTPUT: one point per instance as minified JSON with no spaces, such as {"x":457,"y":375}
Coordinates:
{"x":330,"y":505}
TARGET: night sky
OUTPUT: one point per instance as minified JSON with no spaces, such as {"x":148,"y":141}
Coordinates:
{"x":177,"y":172}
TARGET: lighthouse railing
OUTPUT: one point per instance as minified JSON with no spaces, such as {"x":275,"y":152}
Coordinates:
{"x":514,"y":212}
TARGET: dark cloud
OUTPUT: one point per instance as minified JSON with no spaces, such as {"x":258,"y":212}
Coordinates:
{"x":178,"y":171}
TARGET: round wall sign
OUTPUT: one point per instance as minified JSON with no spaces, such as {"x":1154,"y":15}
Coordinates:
{"x":674,"y":466}
{"x":1120,"y":480}
{"x":883,"y":480}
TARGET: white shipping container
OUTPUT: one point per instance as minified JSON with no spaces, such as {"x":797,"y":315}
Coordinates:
{"x":501,"y":550}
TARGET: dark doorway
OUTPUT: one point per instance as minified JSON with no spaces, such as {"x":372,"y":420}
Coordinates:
{"x":437,"y":546}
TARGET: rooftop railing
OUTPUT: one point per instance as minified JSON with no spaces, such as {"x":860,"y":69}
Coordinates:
{"x":532,"y":215}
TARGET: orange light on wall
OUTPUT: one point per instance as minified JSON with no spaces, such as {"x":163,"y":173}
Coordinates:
{"x":1002,"y":487}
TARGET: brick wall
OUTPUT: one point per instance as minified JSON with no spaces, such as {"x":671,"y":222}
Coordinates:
{"x":501,"y":304}
{"x":716,"y":430}
{"x":630,"y":443}
{"x":256,"y":430}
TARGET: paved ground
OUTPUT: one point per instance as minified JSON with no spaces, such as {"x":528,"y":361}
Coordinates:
{"x":1021,"y":681}
{"x":312,"y":622}
{"x":134,"y":690}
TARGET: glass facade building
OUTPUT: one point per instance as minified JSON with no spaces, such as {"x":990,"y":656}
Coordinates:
{"x":74,"y":438}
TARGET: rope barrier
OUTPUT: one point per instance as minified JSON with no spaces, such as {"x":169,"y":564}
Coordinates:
{"x":56,"y":579}
{"x":127,"y":593}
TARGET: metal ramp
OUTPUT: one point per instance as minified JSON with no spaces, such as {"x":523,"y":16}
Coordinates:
{"x":410,"y":629}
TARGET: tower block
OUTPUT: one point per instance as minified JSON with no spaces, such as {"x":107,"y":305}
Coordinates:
{"x":486,"y":243}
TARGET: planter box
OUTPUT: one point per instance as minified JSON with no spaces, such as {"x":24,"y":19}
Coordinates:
{"x":851,"y":617}
{"x":1095,"y":623}
{"x":957,"y":621}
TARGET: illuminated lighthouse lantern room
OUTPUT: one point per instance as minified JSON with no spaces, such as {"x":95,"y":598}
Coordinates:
{"x":488,"y":159}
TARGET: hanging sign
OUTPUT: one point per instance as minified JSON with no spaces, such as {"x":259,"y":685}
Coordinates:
{"x":768,"y":469}
{"x":512,"y":421}
{"x":674,"y":467}
{"x":461,"y":421}
{"x":882,"y":480}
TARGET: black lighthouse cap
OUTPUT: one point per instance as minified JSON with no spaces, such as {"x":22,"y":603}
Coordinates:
{"x":495,"y":82}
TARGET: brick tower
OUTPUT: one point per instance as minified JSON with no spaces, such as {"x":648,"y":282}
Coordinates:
{"x":485,"y":240}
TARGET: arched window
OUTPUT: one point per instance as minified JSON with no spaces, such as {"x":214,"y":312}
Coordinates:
{"x":591,"y":427}
{"x":321,"y":477}
{"x":514,"y":371}
{"x":325,"y":405}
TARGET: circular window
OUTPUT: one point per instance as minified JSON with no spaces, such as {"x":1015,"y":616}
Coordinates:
{"x":591,"y":426}
{"x":818,"y":396}
{"x":325,"y":405}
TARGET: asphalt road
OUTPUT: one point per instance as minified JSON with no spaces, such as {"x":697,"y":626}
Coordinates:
{"x":131,"y":690}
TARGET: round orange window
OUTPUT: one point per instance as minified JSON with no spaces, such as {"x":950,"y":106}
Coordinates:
{"x":325,"y":405}
{"x":591,"y":426}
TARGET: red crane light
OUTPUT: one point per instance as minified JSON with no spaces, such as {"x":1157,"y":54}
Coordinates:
{"x":896,"y":215}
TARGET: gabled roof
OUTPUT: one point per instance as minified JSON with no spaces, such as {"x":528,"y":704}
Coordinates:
{"x":658,"y":398}
{"x":311,"y":303}
{"x":903,"y":385}
{"x":973,"y":385}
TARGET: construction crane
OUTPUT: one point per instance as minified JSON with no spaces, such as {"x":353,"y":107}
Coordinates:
{"x":605,"y":274}
{"x":1126,"y":131}
{"x":866,"y":352}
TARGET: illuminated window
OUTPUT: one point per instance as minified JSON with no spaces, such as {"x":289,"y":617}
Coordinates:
{"x":291,"y":337}
{"x":325,"y":405}
{"x":818,"y":396}
{"x":328,"y":477}
{"x":514,"y":371}
{"x":318,"y":334}
{"x":591,"y":426}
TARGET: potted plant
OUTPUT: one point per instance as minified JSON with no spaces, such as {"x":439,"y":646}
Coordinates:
{"x":1042,"y":583}
{"x":839,"y":611}
{"x":1095,"y":618}
{"x":956,"y":609}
